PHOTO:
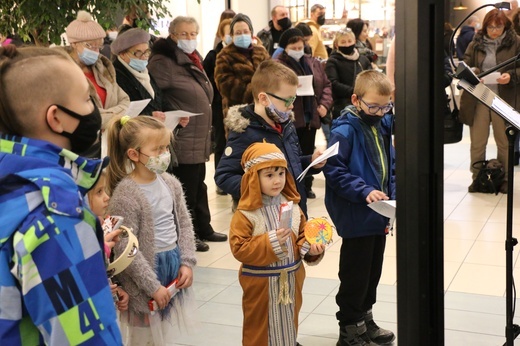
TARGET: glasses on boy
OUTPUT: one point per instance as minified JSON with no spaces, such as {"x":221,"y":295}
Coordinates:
{"x":288,"y":101}
{"x":374,"y":109}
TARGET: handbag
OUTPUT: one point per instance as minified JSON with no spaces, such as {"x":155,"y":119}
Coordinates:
{"x":452,"y":125}
{"x":490,"y":176}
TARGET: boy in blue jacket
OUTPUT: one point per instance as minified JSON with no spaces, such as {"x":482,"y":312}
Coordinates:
{"x":361,"y":173}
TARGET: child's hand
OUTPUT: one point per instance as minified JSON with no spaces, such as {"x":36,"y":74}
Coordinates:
{"x":162,"y":297}
{"x":282,"y":234}
{"x":316,"y":249}
{"x":315,"y":156}
{"x":122,"y":304}
{"x":375,"y":196}
{"x":111,"y":238}
{"x":185,"y":277}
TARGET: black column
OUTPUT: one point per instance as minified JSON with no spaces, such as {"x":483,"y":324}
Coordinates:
{"x":419,"y":125}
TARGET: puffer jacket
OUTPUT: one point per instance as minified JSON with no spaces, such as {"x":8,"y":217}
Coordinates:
{"x":185,"y":87}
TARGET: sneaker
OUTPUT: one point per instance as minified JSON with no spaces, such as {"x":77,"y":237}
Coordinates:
{"x":221,"y":192}
{"x":354,"y":335}
{"x":201,"y":246}
{"x":379,"y":335}
{"x":311,"y":194}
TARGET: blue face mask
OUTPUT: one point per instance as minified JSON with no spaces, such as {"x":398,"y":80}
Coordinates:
{"x":242,"y":41}
{"x":138,"y":64}
{"x":88,"y":57}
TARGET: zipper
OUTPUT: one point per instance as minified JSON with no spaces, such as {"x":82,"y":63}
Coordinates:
{"x":383,"y":166}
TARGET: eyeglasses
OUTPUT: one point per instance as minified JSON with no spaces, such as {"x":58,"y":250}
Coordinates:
{"x":92,"y":47}
{"x":184,"y":35}
{"x":373,"y":109}
{"x":495,"y":28}
{"x":288,"y":101}
{"x":140,"y":54}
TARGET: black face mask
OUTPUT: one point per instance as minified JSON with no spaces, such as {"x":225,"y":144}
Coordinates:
{"x":87,"y":131}
{"x":285,"y":23}
{"x":321,"y":19}
{"x":371,"y":120}
{"x":346,"y":50}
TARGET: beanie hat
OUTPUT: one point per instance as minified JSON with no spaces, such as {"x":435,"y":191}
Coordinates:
{"x":84,"y":28}
{"x":240,"y":17}
{"x":287,"y":35}
{"x":256,"y":157}
{"x":304,"y":28}
{"x":128,"y":39}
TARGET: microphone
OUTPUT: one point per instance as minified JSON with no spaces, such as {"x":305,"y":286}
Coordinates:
{"x":503,"y":5}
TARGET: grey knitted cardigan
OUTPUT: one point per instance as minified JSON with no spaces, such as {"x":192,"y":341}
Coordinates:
{"x":139,"y":279}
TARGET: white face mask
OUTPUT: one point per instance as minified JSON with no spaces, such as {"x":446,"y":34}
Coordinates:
{"x":295,"y":54}
{"x":158,"y":164}
{"x":187,"y":46}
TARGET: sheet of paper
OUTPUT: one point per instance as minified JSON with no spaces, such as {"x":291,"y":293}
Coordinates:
{"x":491,"y":78}
{"x":333,"y":150}
{"x":173,"y":118}
{"x":136,"y":107}
{"x":385,"y":208}
{"x":305,"y":86}
{"x":504,"y":109}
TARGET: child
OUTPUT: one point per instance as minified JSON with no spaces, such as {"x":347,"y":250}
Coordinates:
{"x":53,"y":283}
{"x":97,"y":199}
{"x":361,"y":173}
{"x":271,"y":274}
{"x":270,"y":117}
{"x":153,"y":205}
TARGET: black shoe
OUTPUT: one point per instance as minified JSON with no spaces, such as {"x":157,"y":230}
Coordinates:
{"x":201,"y":246}
{"x":311,"y":194}
{"x":215,"y":236}
{"x":503,"y":187}
{"x":473,"y":187}
{"x":220,"y":192}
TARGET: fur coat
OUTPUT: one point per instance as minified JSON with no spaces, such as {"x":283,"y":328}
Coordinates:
{"x":233,"y":73}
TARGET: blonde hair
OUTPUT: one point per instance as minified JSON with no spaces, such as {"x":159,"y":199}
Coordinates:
{"x":269,"y":75}
{"x":124,"y":134}
{"x":372,"y":80}
{"x":92,"y":191}
{"x":342,"y":33}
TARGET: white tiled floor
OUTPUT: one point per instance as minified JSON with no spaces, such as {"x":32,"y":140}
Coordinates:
{"x":474,"y":269}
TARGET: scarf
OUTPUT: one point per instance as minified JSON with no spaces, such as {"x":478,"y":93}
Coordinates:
{"x":195,"y":58}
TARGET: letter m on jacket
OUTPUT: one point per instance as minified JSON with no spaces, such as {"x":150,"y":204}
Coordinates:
{"x":63,"y":292}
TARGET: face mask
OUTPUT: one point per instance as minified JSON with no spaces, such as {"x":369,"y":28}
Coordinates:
{"x":370,"y":120}
{"x":242,"y":41}
{"x":295,"y":54}
{"x":158,"y":164}
{"x":112,"y":35}
{"x":285,"y":23}
{"x":321,"y":20}
{"x":227,"y":40}
{"x":87,"y":131}
{"x":275,"y":114}
{"x":187,"y":46}
{"x":138,"y":64}
{"x":347,"y":50}
{"x":88,"y":57}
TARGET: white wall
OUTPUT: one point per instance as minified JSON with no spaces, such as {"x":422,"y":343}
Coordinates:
{"x":258,"y":11}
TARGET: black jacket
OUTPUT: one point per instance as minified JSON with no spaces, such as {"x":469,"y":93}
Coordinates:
{"x":465,"y":37}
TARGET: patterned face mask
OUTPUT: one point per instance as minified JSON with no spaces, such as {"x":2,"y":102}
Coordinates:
{"x":158,"y":164}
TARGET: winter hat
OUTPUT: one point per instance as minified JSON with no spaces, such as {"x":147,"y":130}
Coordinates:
{"x":304,"y":28}
{"x":287,"y":35}
{"x":240,"y":17}
{"x":84,"y":28}
{"x":256,"y":157}
{"x":129,"y":39}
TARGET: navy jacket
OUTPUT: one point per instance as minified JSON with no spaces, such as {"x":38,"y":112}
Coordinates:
{"x":245,"y":128}
{"x":465,"y":37}
{"x":350,"y":177}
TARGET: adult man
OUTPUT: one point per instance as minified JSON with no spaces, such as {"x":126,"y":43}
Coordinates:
{"x":53,"y":285}
{"x":176,"y":66}
{"x":270,"y":35}
{"x":317,"y":19}
{"x":466,"y":35}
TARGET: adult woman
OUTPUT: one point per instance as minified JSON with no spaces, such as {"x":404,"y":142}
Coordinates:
{"x":219,"y":134}
{"x":226,"y":14}
{"x":342,"y":67}
{"x":85,"y":37}
{"x":493,"y":44}
{"x":308,"y":110}
{"x":237,"y":62}
{"x":360,"y":29}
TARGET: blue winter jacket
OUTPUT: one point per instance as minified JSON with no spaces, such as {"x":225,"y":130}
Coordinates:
{"x":245,"y":128}
{"x":465,"y":37}
{"x":350,"y":177}
{"x":53,"y":284}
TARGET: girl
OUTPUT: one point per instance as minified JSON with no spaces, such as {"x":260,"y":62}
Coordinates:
{"x":153,"y":205}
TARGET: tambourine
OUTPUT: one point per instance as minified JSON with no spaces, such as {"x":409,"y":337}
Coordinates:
{"x":127,"y":256}
{"x":318,"y":231}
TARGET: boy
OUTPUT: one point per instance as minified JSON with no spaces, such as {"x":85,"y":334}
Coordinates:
{"x":269,"y":118}
{"x":53,"y":285}
{"x":271,"y":274}
{"x":361,"y":173}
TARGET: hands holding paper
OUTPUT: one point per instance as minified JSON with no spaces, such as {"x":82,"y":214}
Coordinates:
{"x":159,"y":115}
{"x":283,"y":234}
{"x":316,"y":154}
{"x":184,"y":121}
{"x":375,"y":196}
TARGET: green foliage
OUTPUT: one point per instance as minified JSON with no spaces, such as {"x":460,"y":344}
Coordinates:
{"x":46,"y":20}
